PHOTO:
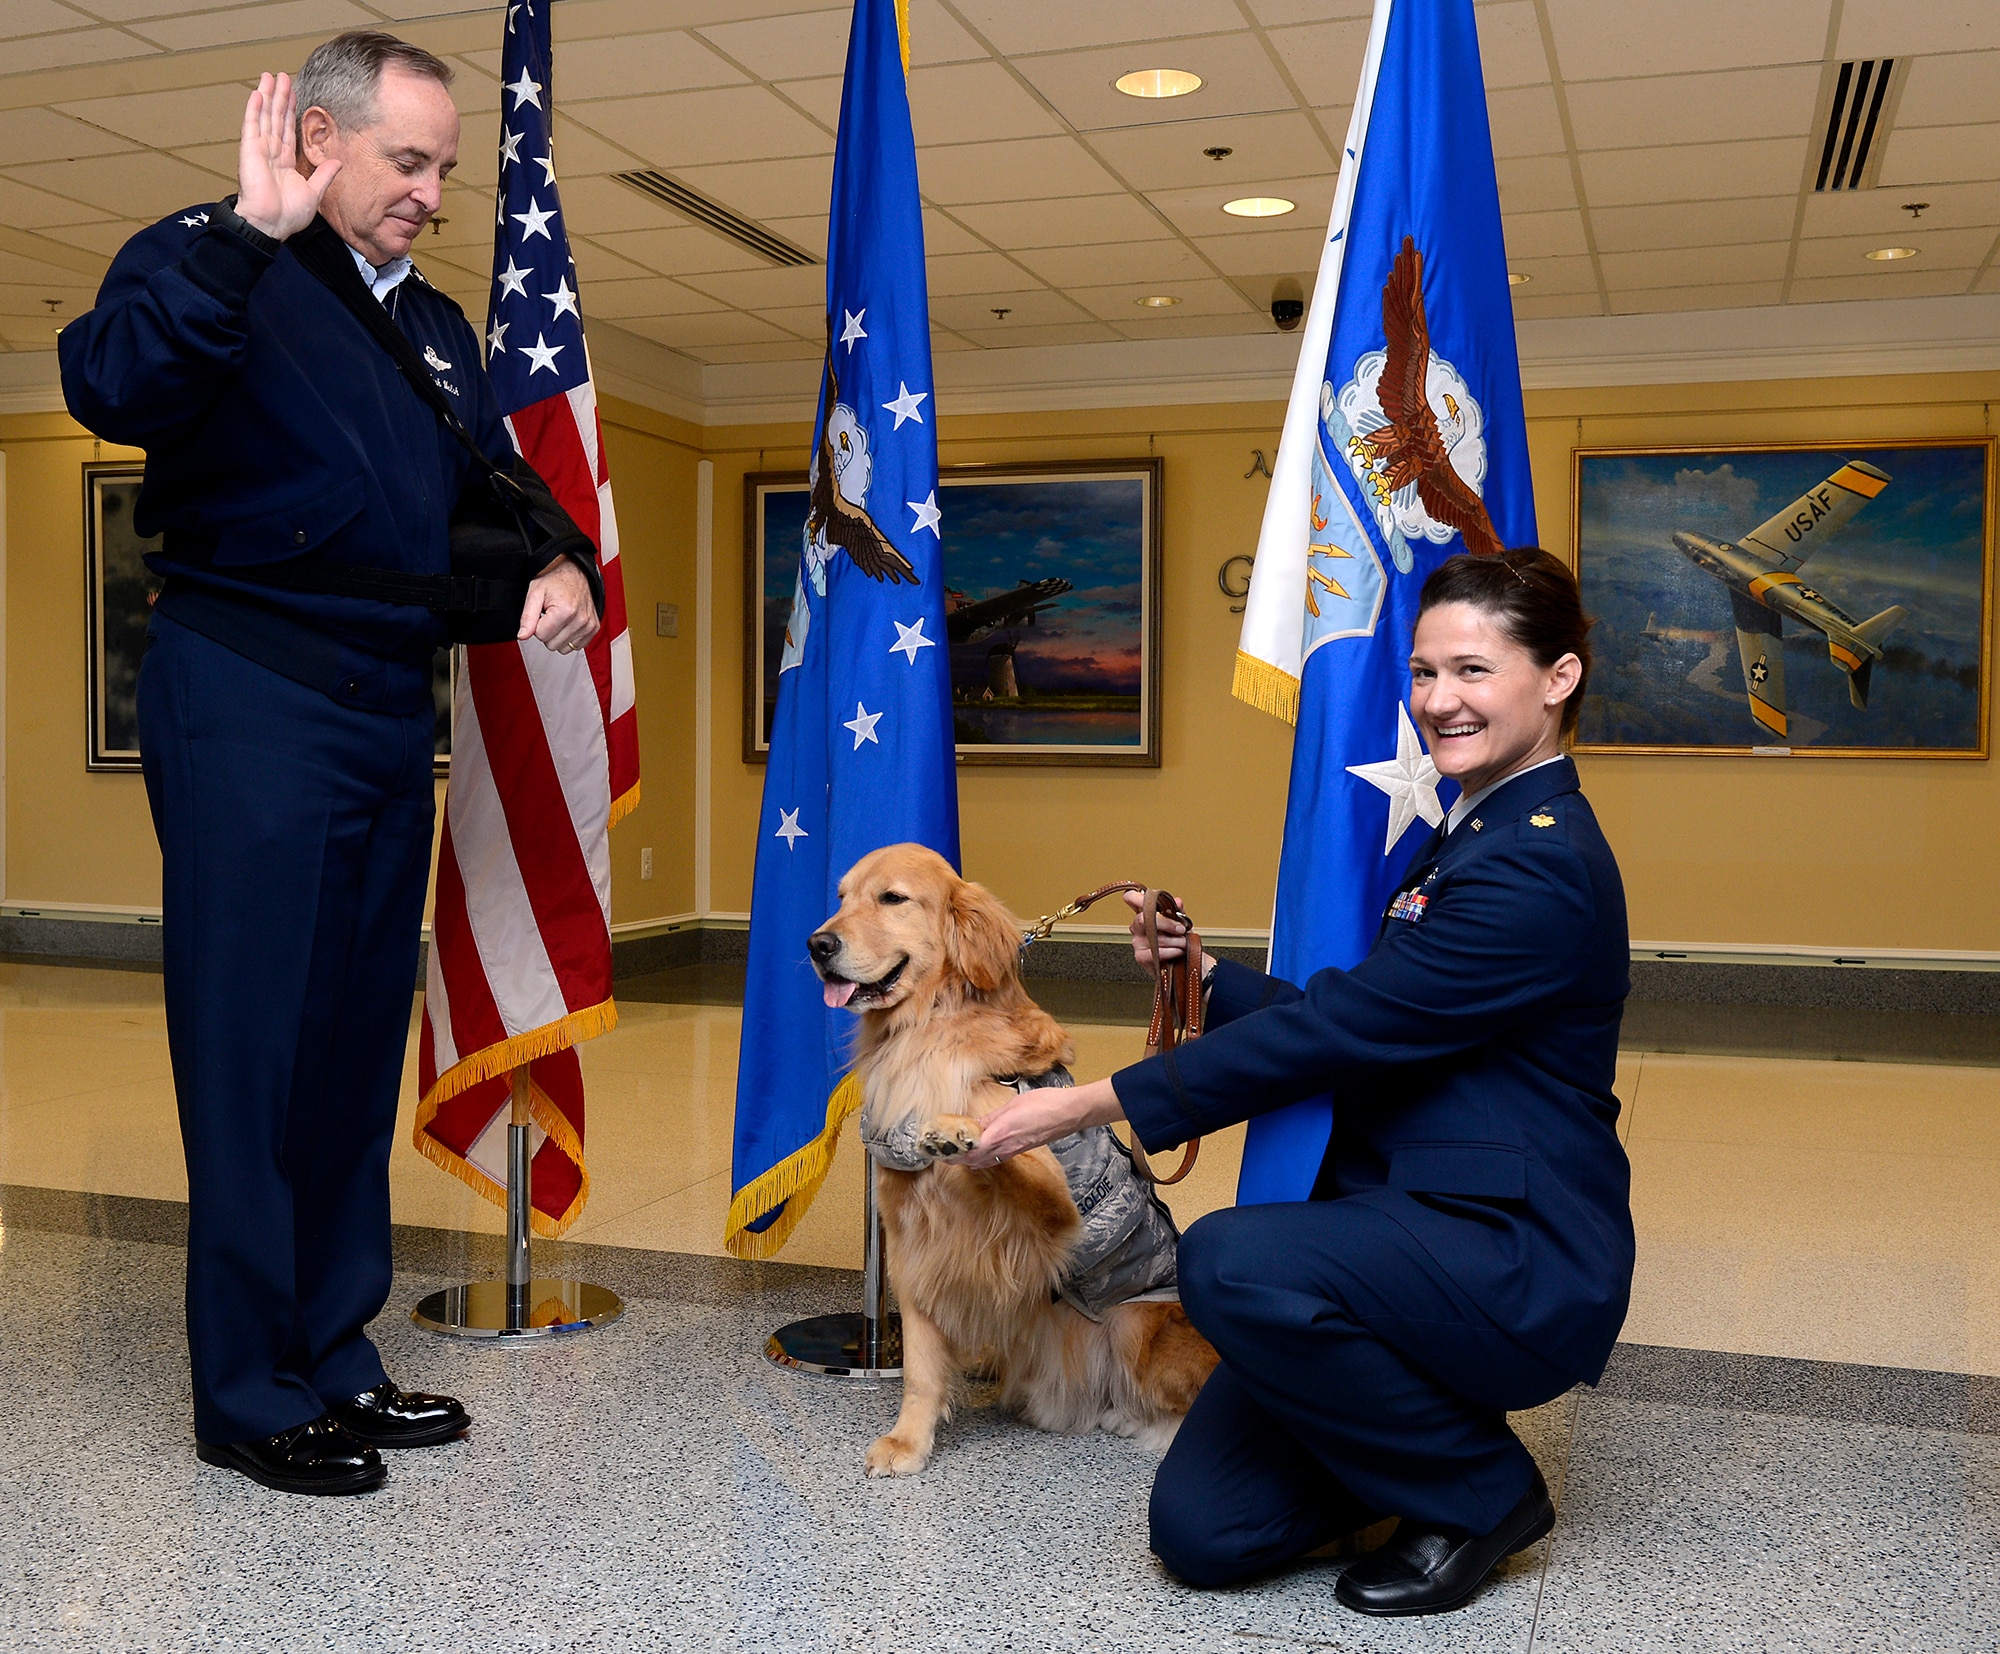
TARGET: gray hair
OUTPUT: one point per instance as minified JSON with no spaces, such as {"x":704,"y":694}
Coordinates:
{"x":341,"y":74}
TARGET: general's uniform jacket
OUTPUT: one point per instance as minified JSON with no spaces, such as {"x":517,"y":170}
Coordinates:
{"x":1470,"y":1057}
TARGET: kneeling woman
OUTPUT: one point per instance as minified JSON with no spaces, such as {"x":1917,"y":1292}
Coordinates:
{"x":1467,"y":1250}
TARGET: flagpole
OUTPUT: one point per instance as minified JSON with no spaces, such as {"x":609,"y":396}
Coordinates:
{"x":520,"y":1306}
{"x":865,"y":1345}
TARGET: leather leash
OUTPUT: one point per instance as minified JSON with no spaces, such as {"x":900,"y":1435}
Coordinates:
{"x":1177,"y":992}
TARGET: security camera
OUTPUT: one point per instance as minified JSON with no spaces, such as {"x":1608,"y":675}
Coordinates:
{"x":1288,"y":304}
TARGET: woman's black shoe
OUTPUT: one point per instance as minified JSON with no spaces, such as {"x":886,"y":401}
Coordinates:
{"x":319,"y":1457}
{"x":1429,"y":1571}
{"x":387,"y":1417}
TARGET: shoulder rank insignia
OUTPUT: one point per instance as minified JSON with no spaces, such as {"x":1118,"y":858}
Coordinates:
{"x":1409,"y":906}
{"x":1541,"y":818}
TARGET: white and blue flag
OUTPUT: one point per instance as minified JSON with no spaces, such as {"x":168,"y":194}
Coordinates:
{"x":1404,"y":444}
{"x":861,"y":744}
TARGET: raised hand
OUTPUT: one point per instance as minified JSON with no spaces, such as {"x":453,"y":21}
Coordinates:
{"x":272,"y":195}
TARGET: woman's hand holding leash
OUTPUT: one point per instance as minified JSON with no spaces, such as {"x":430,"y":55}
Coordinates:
{"x":1041,"y":1116}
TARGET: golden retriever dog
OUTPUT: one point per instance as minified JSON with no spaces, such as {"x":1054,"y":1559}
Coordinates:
{"x":981,"y":1261}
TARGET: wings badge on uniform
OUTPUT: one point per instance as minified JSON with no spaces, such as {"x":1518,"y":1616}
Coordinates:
{"x":838,"y":519}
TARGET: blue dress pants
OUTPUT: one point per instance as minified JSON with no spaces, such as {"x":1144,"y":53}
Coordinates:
{"x":1357,"y":1382}
{"x":295,"y":836}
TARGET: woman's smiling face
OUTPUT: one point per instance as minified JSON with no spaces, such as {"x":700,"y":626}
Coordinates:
{"x":1486,"y":707}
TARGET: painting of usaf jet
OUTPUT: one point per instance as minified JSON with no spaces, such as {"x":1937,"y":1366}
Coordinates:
{"x":965,"y":618}
{"x":1761,"y":572}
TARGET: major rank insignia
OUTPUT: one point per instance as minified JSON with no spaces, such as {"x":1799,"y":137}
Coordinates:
{"x":1409,"y":906}
{"x":1541,"y":819}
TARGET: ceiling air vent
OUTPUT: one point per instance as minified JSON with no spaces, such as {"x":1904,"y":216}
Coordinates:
{"x":692,"y":204}
{"x":1859,"y":106}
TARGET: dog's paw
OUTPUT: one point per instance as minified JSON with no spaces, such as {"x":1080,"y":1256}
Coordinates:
{"x":893,"y":1456}
{"x":950,"y":1137}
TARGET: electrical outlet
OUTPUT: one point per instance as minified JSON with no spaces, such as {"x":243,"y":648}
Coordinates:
{"x":667,"y":619}
{"x":646,"y":862}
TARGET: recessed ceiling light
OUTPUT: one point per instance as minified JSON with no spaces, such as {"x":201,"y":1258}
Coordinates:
{"x":1158,"y":83}
{"x":1258,"y":206}
{"x":1882,"y":255}
{"x":1516,"y":279}
{"x":1157,"y":301}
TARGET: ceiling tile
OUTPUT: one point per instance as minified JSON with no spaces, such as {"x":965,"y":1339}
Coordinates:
{"x":1268,"y":253}
{"x":1149,"y":262}
{"x":722,"y":327}
{"x":57,"y":51}
{"x":942,"y":235}
{"x":1534,"y":307}
{"x":783,"y":350}
{"x":1037,"y":307}
{"x":473,"y":90}
{"x":1237,"y":79}
{"x":1018,"y":26}
{"x":23,"y":302}
{"x":167,"y":120}
{"x":594,"y":264}
{"x":631,"y":64}
{"x":1170,"y":157}
{"x":282,"y":20}
{"x":32,"y":209}
{"x":19,"y":17}
{"x":1545,"y":234}
{"x":1021,"y":169}
{"x":1726,"y":295}
{"x":30,"y":332}
{"x":1595,"y":41}
{"x":808,"y":321}
{"x":14,"y":267}
{"x":123,"y":11}
{"x":956,"y":273}
{"x":767,"y":189}
{"x":818,"y":98}
{"x":1690,"y":266}
{"x":1199,"y":211}
{"x":141,"y":185}
{"x":1897,"y":284}
{"x":1941,"y":155}
{"x":107,"y":237}
{"x":1525,"y":121}
{"x":1950,"y":91}
{"x":1535,"y":183}
{"x":1881,"y":214}
{"x":1198,"y":296}
{"x":1510,"y":45}
{"x":1671,"y":109}
{"x":1685,"y":172}
{"x":1693,"y":223}
{"x":808,"y":233}
{"x":582,"y":154}
{"x":1005,"y":336}
{"x":1073,"y":221}
{"x":691,"y":129}
{"x":763,"y":287}
{"x":938,"y":37}
{"x":1324,"y":59}
{"x":1556,"y":275}
{"x":221,"y":159}
{"x":1936,"y":250}
{"x":1142,"y":325}
{"x":1895,"y":28}
{"x":1990,"y":282}
{"x":683,"y":252}
{"x":787,"y":48}
{"x":962,"y":103}
{"x":595,"y":206}
{"x":1275,"y":13}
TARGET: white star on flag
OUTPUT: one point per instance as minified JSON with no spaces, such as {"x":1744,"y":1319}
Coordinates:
{"x":493,"y":339}
{"x":863,"y":724}
{"x":526,"y":91}
{"x":905,"y":405}
{"x":563,"y":298}
{"x":788,"y":827}
{"x":852,"y":330}
{"x":510,"y":18}
{"x":909,"y":639}
{"x":548,"y":165}
{"x":534,"y":222}
{"x":928,"y":515}
{"x":510,"y":147}
{"x":1410,"y":779}
{"x":513,"y":279}
{"x":541,"y":354}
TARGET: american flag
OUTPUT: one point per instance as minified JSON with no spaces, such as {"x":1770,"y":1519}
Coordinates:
{"x":545,"y":752}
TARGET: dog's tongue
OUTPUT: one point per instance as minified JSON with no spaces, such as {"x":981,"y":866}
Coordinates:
{"x":839,"y":993}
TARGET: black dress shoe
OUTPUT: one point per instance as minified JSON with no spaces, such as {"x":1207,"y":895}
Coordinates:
{"x":319,"y":1457}
{"x":388,"y":1417}
{"x":1430,"y":1570}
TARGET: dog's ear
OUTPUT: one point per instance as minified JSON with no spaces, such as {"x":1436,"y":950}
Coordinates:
{"x":985,"y":942}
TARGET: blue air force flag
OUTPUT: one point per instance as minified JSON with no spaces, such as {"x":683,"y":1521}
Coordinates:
{"x":1404,"y":443}
{"x":861,"y":745}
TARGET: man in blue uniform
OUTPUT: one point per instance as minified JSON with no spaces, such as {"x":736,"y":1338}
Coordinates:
{"x":287,"y":733}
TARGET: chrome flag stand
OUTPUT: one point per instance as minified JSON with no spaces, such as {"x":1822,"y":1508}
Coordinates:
{"x":520,"y":1306}
{"x":867,"y":1345}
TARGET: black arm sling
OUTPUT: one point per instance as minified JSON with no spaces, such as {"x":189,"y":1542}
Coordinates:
{"x":505,"y":529}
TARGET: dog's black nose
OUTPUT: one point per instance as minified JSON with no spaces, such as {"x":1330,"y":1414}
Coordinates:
{"x":823,"y":945}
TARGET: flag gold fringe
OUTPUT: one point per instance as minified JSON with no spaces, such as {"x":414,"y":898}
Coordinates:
{"x":1266,"y":687}
{"x":510,"y":1054}
{"x":555,"y":1125}
{"x":792,"y":1183}
{"x":624,"y":804}
{"x":902,"y":33}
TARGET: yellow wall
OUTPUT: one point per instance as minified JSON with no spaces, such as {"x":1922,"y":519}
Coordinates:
{"x":1859,"y":853}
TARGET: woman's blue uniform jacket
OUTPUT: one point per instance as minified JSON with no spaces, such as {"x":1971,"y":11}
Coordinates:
{"x":274,"y":425}
{"x":1470,"y":1057}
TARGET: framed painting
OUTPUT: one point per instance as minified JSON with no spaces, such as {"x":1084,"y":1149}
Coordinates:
{"x":1829,"y":600}
{"x":119,"y":594}
{"x":1052,"y":608}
